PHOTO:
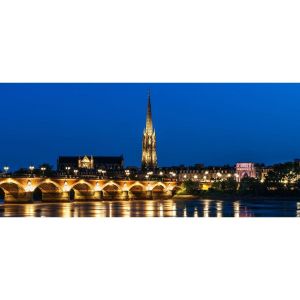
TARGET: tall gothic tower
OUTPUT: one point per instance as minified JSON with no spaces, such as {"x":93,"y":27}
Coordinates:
{"x":149,"y":158}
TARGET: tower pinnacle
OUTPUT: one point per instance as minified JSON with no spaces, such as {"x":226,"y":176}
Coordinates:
{"x":149,"y":123}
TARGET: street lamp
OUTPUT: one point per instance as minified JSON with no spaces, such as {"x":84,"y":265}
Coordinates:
{"x":31,"y":168}
{"x":6,"y":169}
{"x":68,"y":170}
{"x":102,"y":172}
{"x":75,"y":172}
{"x":127,"y":173}
{"x":149,"y":174}
{"x":173,"y":174}
{"x":43,"y":169}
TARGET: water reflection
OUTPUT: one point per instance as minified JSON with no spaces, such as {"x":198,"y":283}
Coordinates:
{"x":236,"y":206}
{"x":219,"y":209}
{"x":196,"y":214}
{"x":156,"y":208}
{"x":206,"y":209}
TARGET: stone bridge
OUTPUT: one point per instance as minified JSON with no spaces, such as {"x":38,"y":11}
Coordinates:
{"x":69,"y":189}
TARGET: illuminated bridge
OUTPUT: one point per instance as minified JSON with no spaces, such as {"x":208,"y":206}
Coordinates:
{"x":69,"y":189}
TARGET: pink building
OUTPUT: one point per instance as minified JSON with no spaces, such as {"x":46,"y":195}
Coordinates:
{"x":245,"y":170}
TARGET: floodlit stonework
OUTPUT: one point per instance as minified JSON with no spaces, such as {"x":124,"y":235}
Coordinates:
{"x":149,"y":156}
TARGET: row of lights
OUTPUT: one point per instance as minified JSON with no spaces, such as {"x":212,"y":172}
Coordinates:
{"x":218,"y":174}
{"x":31,"y":168}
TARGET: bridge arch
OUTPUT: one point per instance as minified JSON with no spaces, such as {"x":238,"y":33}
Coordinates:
{"x":112,"y":190}
{"x":49,"y":185}
{"x":175,"y":188}
{"x":46,"y":190}
{"x":11,"y":186}
{"x":81,"y":190}
{"x":137,"y":186}
{"x":159,"y":187}
{"x":82,"y":185}
{"x":111,"y":185}
{"x":12,"y":190}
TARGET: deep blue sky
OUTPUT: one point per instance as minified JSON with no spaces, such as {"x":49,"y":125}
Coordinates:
{"x":214,"y":124}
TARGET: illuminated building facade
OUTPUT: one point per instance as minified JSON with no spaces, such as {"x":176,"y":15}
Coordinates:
{"x":149,"y":155}
{"x":246,"y":170}
{"x":90,"y":163}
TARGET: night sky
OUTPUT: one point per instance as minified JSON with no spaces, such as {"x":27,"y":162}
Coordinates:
{"x":214,"y":124}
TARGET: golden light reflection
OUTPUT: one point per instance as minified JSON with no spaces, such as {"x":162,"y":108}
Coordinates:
{"x":149,"y":209}
{"x":298,"y":209}
{"x":76,"y":212}
{"x":168,"y":209}
{"x":66,"y":211}
{"x":122,"y":209}
{"x":110,"y":210}
{"x":8,"y":211}
{"x":29,"y":210}
{"x":185,"y":213}
{"x":196,"y":213}
{"x":206,"y":209}
{"x":98,"y":210}
{"x":174,"y":209}
{"x":219,"y":207}
{"x":236,"y":208}
{"x":161,"y":210}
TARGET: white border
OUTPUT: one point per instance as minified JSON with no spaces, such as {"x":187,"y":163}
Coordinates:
{"x":149,"y":41}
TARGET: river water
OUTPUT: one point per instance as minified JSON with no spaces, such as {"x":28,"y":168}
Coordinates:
{"x":157,"y":208}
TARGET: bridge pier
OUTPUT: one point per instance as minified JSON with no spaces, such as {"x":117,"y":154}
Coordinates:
{"x":149,"y":195}
{"x":98,"y":195}
{"x":125,"y":195}
{"x":168,"y":194}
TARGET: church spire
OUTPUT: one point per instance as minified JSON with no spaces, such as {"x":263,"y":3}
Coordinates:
{"x":149,"y":157}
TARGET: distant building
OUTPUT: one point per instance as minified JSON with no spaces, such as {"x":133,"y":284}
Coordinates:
{"x":206,"y":174}
{"x":263,"y":173}
{"x":92,"y":163}
{"x":246,"y":170}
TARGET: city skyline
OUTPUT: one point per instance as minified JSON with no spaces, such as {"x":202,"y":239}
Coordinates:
{"x":213,"y":124}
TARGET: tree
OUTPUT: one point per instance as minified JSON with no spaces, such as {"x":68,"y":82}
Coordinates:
{"x":21,"y":171}
{"x":190,"y":187}
{"x":230,"y":185}
{"x":227,"y":186}
{"x":249,"y":185}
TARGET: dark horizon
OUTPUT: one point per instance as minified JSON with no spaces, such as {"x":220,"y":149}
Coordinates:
{"x":212,"y":124}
